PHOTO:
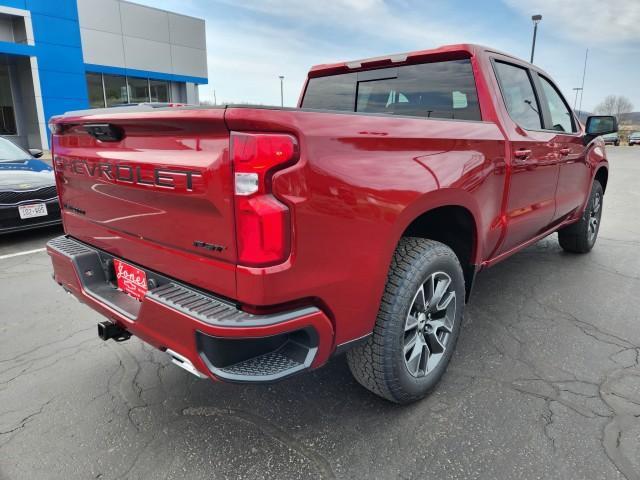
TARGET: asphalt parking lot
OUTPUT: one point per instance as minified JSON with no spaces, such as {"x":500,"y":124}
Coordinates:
{"x":545,"y":383}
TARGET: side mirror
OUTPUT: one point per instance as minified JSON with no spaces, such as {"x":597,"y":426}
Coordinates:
{"x":601,"y":125}
{"x":35,"y":152}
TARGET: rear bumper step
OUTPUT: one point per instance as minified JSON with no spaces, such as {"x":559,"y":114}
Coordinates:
{"x":200,"y":331}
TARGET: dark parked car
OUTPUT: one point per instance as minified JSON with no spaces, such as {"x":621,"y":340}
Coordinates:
{"x":28,"y":197}
{"x":634,"y":138}
{"x":611,"y":139}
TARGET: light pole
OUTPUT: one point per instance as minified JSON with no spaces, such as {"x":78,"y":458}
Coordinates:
{"x":536,"y":19}
{"x":281,"y":90}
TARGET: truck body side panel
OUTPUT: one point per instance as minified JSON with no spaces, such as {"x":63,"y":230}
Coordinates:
{"x":361,"y":180}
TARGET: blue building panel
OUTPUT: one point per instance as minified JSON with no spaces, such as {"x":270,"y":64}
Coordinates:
{"x":59,"y":58}
{"x":58,"y":106}
{"x":132,"y":72}
{"x":58,"y":50}
{"x":54,"y":8}
{"x":21,"y":4}
{"x":17,"y":49}
{"x":63,"y":85}
{"x":56,"y":30}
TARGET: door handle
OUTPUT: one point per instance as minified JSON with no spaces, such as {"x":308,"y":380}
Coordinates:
{"x":565,"y":151}
{"x":522,"y":154}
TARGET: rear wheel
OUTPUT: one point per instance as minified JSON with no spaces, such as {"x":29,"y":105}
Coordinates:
{"x":580,"y":237}
{"x":417,"y":325}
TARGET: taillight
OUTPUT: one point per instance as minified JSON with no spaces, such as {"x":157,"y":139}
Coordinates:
{"x":263,"y":224}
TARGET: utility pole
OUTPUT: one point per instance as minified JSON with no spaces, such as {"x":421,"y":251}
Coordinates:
{"x":575,"y":101}
{"x":281,"y":90}
{"x":536,"y":19}
{"x":584,"y":73}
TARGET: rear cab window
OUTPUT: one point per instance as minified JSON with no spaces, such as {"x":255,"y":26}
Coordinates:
{"x":429,"y":90}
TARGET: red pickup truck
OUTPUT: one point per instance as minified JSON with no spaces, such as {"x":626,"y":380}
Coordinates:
{"x":253,"y":243}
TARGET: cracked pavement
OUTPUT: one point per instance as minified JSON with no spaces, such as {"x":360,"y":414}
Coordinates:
{"x":545,"y":383}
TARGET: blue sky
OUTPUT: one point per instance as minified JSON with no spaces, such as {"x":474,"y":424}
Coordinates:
{"x":251,"y":42}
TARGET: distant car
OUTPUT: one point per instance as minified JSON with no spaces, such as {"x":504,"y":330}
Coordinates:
{"x":611,"y":139}
{"x":28,"y":197}
{"x":634,"y":138}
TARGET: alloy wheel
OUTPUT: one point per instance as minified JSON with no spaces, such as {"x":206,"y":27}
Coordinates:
{"x":594,"y":217}
{"x":429,"y":324}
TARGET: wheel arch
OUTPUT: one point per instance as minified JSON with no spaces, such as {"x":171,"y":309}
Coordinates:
{"x":453,"y":223}
{"x":602,"y":175}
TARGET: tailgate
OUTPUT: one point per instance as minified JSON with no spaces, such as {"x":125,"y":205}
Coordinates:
{"x":153,"y":188}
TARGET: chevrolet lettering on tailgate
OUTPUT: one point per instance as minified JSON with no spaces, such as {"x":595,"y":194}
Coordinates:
{"x":146,"y":175}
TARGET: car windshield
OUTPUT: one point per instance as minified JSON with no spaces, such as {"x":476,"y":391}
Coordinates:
{"x":635,"y":135}
{"x":10,"y":152}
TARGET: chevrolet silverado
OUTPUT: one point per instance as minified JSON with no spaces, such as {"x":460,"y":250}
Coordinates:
{"x":253,"y":243}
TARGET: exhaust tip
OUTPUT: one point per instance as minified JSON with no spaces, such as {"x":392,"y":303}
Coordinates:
{"x":108,"y":330}
{"x":184,"y":362}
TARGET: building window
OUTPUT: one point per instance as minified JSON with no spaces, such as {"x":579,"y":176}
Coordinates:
{"x":138,"y":89}
{"x":96,"y":92}
{"x":7,"y":115}
{"x":159,"y":91}
{"x":115,"y":88}
{"x":13,"y":29}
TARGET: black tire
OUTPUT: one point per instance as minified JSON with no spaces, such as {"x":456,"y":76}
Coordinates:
{"x":381,"y":364}
{"x":580,"y":237}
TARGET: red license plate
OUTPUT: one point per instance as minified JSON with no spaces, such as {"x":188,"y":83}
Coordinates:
{"x":131,"y":280}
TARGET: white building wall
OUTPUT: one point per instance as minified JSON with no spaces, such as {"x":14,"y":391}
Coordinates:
{"x":192,"y":93}
{"x":127,"y":35}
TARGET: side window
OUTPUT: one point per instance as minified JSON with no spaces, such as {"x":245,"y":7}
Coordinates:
{"x":561,"y":118}
{"x":335,"y":92}
{"x":518,"y":95}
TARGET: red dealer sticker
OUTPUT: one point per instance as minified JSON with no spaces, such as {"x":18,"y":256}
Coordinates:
{"x":131,"y":280}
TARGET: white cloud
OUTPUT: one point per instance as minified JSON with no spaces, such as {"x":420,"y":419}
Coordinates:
{"x":251,"y":42}
{"x":590,"y":22}
{"x":273,"y":37}
{"x":376,"y":19}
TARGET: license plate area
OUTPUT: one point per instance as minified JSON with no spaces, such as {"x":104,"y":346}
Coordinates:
{"x":32,"y":210}
{"x":130,"y":280}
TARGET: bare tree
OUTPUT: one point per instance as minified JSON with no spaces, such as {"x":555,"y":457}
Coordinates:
{"x":623,"y":106}
{"x":616,"y":105}
{"x":607,"y":106}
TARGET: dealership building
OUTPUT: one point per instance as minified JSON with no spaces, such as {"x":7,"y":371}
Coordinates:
{"x":62,"y":55}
